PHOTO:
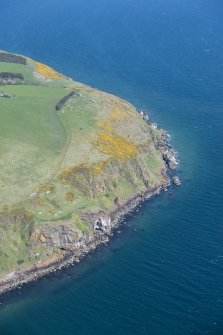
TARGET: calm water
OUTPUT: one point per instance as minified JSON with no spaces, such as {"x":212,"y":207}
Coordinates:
{"x":165,"y":278}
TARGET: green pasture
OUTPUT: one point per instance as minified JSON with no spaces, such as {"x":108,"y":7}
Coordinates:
{"x":25,"y":70}
{"x":32,"y":138}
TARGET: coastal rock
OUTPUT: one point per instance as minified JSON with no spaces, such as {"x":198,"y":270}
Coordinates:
{"x":176,"y":181}
{"x":169,"y":157}
{"x":102,"y":224}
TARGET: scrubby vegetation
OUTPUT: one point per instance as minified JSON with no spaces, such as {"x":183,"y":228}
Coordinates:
{"x":118,"y":147}
{"x":10,"y":58}
{"x":47,"y":71}
{"x":8,"y":76}
{"x":65,"y":99}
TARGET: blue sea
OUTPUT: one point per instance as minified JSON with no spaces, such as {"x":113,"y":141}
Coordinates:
{"x":162,"y":274}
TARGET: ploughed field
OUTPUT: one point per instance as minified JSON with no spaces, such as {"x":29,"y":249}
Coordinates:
{"x":67,"y":152}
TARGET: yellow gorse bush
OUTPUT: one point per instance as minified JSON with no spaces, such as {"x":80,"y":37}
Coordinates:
{"x":96,"y":169}
{"x":118,"y":114}
{"x":69,"y":196}
{"x":105,"y":125}
{"x":47,"y":71}
{"x":118,"y":147}
{"x":111,"y":144}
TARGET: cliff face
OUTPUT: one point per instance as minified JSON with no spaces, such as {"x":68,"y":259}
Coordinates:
{"x":72,"y":158}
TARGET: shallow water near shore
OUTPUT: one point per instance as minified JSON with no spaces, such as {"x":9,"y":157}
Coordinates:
{"x":163,"y":273}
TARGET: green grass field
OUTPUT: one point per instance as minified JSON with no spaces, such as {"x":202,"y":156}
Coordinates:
{"x":31,"y":135}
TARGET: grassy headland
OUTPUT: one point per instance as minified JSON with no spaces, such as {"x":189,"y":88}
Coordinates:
{"x":64,"y":158}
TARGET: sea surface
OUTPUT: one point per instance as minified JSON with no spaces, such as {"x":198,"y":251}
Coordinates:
{"x":162,"y":274}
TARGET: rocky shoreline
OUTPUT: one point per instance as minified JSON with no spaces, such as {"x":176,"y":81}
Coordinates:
{"x":105,"y":223}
